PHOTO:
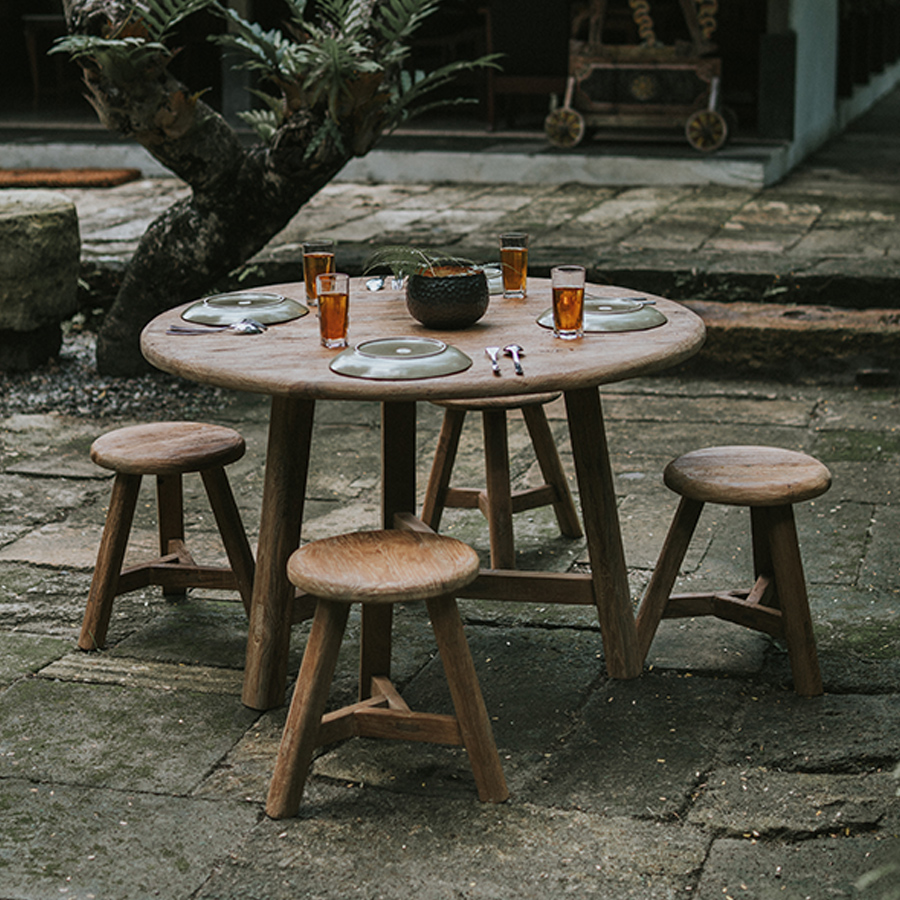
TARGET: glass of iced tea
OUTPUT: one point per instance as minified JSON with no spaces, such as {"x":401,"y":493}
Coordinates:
{"x":568,"y":301}
{"x":318,"y":257}
{"x":514,"y":263}
{"x":333,"y":291}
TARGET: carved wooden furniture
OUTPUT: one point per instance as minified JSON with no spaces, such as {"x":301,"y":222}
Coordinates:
{"x":769,"y":481}
{"x":288,"y":363}
{"x":167,"y":450}
{"x":378,"y":568}
{"x":630,"y":70}
{"x":496,"y":501}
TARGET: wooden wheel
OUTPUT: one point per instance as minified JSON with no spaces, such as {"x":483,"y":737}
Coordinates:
{"x":706,"y":130}
{"x":564,"y":127}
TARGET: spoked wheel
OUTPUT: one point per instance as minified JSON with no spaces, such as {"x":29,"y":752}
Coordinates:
{"x":564,"y":127}
{"x":706,"y":130}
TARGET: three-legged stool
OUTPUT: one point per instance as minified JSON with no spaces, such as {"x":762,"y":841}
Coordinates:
{"x":382,"y":567}
{"x":497,"y":502}
{"x":769,"y":481}
{"x":166,"y":450}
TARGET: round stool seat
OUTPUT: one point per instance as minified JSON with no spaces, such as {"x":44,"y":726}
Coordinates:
{"x":479,"y":404}
{"x":383,"y":566}
{"x":167,"y":448}
{"x":747,"y":476}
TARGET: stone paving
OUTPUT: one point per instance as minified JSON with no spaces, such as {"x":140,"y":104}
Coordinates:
{"x":136,"y":772}
{"x":817,"y":253}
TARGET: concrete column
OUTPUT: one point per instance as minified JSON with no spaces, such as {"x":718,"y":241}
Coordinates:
{"x":235,"y":82}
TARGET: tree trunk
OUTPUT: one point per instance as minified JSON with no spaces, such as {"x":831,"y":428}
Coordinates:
{"x":240,"y":197}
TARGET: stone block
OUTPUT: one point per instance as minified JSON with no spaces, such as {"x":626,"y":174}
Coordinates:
{"x":39,"y":259}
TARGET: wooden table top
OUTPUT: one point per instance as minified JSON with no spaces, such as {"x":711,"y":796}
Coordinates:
{"x":288,"y":359}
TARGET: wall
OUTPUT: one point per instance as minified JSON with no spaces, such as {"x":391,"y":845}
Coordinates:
{"x":816,"y":24}
{"x":818,"y":112}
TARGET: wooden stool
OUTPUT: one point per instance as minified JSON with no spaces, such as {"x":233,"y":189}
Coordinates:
{"x":166,"y":450}
{"x":769,"y":481}
{"x":378,"y":567}
{"x":496,"y":501}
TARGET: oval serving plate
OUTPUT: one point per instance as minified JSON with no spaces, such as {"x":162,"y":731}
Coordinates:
{"x":613,"y":314}
{"x":226,"y":309}
{"x":400,"y":358}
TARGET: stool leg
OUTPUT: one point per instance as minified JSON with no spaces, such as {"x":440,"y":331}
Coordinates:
{"x":497,"y":489}
{"x":468,"y":702}
{"x":228,"y":518}
{"x":301,"y":730}
{"x":119,"y":517}
{"x":170,"y":516}
{"x":666,"y":571}
{"x":442,"y":467}
{"x":552,"y":470}
{"x":169,"y":510}
{"x":790,"y":586}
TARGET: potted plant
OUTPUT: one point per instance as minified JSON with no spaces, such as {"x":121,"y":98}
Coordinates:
{"x":442,"y":292}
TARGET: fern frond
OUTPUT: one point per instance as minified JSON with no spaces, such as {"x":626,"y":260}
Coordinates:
{"x":161,"y":16}
{"x":397,"y":20}
{"x":275,"y":104}
{"x":327,"y":130}
{"x":412,"y":88}
{"x":131,"y":49}
{"x":267,"y":51}
{"x":263,"y":121}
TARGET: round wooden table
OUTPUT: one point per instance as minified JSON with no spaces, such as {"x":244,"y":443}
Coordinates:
{"x":287,"y":363}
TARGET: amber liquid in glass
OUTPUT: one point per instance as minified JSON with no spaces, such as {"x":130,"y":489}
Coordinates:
{"x":315,"y":264}
{"x":514,"y":264}
{"x":333,"y":318}
{"x":568,"y":311}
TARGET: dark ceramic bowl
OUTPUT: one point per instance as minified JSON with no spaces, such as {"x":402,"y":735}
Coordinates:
{"x":451,"y":297}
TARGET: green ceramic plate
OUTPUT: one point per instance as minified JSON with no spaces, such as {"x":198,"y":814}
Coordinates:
{"x":613,"y":314}
{"x":225,"y":309}
{"x":400,"y":358}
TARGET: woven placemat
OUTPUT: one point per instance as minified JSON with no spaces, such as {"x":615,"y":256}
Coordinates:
{"x":50,"y":178}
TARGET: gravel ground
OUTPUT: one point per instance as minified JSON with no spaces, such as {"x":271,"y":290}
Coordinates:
{"x":71,"y":385}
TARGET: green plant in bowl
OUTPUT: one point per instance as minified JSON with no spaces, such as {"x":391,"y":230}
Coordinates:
{"x":442,"y":292}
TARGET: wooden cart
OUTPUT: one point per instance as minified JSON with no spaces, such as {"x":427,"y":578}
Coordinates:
{"x":645,"y":85}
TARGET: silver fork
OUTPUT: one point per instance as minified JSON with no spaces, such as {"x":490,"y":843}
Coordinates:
{"x":492,"y":353}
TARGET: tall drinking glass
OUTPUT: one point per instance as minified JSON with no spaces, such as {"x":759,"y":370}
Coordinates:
{"x":318,"y":257}
{"x":333,"y":291}
{"x":568,"y":301}
{"x":514,"y":262}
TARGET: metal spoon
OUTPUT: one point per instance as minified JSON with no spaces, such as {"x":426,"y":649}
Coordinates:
{"x":515,"y":351}
{"x":492,"y":353}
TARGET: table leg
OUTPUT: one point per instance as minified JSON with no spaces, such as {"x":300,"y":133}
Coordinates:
{"x":398,"y":494}
{"x":601,"y":527}
{"x":284,"y":491}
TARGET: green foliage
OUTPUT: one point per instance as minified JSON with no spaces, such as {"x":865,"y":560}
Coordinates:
{"x":159,"y":17}
{"x":352,"y":39}
{"x":269,"y":52}
{"x":134,"y":49}
{"x":264,"y":122}
{"x":136,"y":44}
{"x":343,"y":69}
{"x":404,"y":260}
